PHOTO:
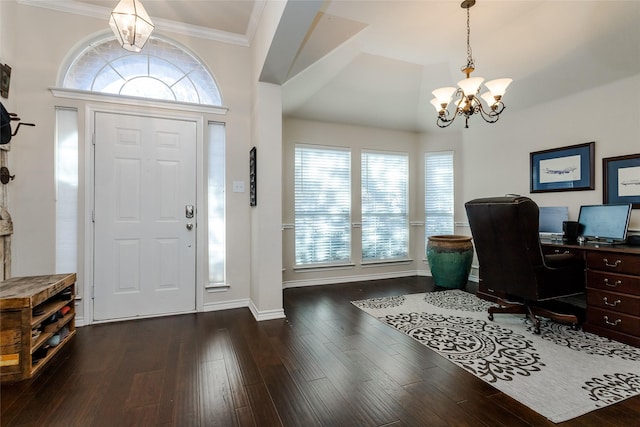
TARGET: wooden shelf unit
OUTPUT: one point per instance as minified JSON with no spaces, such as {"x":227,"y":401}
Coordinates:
{"x":20,"y":298}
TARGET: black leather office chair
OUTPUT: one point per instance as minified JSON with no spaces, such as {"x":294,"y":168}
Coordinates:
{"x":507,"y":243}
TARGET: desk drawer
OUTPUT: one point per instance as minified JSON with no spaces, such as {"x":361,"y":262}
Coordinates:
{"x":614,"y":262}
{"x":620,"y":283}
{"x":555,"y":249}
{"x":613,"y":321}
{"x":613,"y":301}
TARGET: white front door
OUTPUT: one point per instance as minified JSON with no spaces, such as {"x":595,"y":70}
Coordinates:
{"x":145,"y":186}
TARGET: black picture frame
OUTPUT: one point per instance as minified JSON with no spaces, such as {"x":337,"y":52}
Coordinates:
{"x":5,"y":80}
{"x":621,"y":180}
{"x":569,"y":168}
{"x":253,"y":182}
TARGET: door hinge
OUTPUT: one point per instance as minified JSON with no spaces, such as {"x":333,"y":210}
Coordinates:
{"x":93,"y":139}
{"x":93,"y":216}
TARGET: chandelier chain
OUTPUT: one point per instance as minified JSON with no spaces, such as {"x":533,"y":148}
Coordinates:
{"x":470,"y":63}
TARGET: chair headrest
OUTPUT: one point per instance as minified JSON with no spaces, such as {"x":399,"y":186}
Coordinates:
{"x":501,"y":200}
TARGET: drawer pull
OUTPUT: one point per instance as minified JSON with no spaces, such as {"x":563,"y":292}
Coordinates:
{"x":612,"y":304}
{"x":557,"y":251}
{"x":617,"y":321}
{"x":616,"y":264}
{"x":612,"y":285}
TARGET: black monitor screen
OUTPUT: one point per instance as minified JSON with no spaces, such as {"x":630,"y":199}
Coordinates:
{"x":552,"y":217}
{"x":607,"y":223}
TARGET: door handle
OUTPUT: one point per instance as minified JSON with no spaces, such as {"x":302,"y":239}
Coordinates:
{"x":188,"y":211}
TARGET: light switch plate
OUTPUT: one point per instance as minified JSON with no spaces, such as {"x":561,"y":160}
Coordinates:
{"x":238,"y":186}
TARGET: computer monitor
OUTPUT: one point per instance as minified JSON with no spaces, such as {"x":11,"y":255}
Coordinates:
{"x":605,"y":223}
{"x":551,"y":219}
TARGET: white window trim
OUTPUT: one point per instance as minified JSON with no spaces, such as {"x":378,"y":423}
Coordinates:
{"x":85,"y":95}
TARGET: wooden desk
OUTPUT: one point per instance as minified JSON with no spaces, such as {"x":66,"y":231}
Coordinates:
{"x":612,"y":280}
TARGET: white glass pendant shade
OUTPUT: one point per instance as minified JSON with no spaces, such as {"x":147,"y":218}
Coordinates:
{"x":471,"y":85}
{"x":131,"y":24}
{"x":498,"y":86}
{"x":444,"y":94}
{"x":436,"y":104}
{"x":488,"y":98}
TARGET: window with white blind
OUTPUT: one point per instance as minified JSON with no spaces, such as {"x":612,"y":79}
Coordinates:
{"x":385,"y":223}
{"x":66,"y":175}
{"x":322,"y":206}
{"x":216,"y":203}
{"x":438,"y":197}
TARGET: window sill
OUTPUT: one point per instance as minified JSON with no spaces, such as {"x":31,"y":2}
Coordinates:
{"x":217,"y":287}
{"x":381,"y":262}
{"x":323,"y":267}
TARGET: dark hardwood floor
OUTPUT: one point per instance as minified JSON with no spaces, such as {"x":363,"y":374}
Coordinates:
{"x":327,"y":364}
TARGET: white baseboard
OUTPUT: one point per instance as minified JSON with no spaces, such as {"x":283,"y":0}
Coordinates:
{"x":347,"y":279}
{"x":267,"y":314}
{"x":226,"y":305}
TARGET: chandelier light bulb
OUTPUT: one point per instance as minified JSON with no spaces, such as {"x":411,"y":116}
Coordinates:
{"x":437,"y":105}
{"x":498,"y":86}
{"x":471,"y":85}
{"x":488,"y":98}
{"x":444,"y":94}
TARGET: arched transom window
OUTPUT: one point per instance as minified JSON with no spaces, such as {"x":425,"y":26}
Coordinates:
{"x":161,"y":71}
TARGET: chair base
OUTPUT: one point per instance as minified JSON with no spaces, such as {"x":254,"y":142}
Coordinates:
{"x":532,"y":313}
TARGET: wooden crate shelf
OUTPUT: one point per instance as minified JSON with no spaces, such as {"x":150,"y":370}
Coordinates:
{"x":20,"y":297}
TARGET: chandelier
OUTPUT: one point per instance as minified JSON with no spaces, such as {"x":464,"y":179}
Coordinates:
{"x":131,"y":24}
{"x":465,"y":97}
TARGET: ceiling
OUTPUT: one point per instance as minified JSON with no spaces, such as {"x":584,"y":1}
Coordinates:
{"x":376,"y":62}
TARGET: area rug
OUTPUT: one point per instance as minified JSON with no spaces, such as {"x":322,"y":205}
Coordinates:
{"x":560,"y":373}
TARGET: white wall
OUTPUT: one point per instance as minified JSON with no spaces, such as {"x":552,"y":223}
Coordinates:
{"x":497,"y":156}
{"x":32,"y":199}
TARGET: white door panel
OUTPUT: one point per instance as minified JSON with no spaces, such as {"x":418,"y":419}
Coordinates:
{"x":145,"y":175}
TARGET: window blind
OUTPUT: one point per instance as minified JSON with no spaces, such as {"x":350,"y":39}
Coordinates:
{"x":438,"y":193}
{"x":322,"y":205}
{"x":385,"y":224}
{"x":216,"y":203}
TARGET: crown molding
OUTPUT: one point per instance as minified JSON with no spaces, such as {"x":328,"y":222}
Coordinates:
{"x":100,"y":12}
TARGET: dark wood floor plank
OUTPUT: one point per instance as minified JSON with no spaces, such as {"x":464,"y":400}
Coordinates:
{"x":234,"y":371}
{"x":262,"y":407}
{"x":215,"y":396}
{"x":295,"y":357}
{"x":327,"y":364}
{"x":145,"y":389}
{"x":186,"y":398}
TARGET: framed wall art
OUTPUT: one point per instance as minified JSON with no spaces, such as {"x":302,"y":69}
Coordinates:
{"x":5,"y":80}
{"x":253,"y":183}
{"x":621,"y":180}
{"x":568,"y":168}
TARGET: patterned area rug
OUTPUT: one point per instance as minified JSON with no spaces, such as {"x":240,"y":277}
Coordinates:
{"x":560,"y":373}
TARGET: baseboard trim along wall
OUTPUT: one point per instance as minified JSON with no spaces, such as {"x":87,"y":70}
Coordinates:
{"x":267,"y":314}
{"x":347,"y":279}
{"x":226,"y":305}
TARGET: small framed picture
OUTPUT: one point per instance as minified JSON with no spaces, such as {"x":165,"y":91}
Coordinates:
{"x":621,"y":180}
{"x":5,"y":80}
{"x":568,"y":168}
{"x":253,"y":183}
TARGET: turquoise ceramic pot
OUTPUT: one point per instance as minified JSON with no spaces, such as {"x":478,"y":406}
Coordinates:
{"x":450,"y":258}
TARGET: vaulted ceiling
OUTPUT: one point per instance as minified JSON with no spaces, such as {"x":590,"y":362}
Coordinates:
{"x":376,"y":62}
